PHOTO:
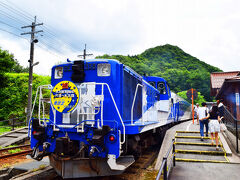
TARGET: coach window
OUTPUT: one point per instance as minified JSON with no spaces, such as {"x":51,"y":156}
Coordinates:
{"x":152,"y":83}
{"x":161,"y":87}
{"x":168,"y":90}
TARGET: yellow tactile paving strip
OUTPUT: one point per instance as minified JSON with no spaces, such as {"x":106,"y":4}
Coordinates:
{"x":219,"y":153}
{"x":196,"y":144}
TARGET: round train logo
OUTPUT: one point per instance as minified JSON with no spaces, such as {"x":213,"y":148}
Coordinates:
{"x":64,"y":96}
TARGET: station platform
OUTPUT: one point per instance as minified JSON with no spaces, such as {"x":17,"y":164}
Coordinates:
{"x":196,"y":159}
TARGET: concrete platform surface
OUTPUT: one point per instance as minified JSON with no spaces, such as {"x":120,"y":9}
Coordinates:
{"x":189,"y":126}
{"x":205,"y":171}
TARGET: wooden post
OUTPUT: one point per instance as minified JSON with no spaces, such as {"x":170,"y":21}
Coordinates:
{"x":192,"y":107}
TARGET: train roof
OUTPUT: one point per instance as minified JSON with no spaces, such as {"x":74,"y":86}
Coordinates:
{"x":87,"y":60}
{"x":154,"y":78}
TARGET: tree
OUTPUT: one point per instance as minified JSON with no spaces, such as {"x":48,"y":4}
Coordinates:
{"x":199,"y":100}
{"x":6,"y":63}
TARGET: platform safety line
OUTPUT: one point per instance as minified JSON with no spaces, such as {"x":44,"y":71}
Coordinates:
{"x":175,"y":137}
{"x":199,"y":160}
{"x":183,"y":151}
{"x":225,"y":154}
{"x":189,"y":132}
{"x":192,"y":137}
{"x":197,"y":144}
{"x":188,"y":126}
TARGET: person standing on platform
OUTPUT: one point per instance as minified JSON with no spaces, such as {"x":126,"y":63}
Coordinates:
{"x":196,"y":112}
{"x":214,"y":126}
{"x":220,"y":109}
{"x":203,"y":119}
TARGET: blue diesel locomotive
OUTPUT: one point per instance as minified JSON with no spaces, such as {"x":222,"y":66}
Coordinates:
{"x":101,"y":115}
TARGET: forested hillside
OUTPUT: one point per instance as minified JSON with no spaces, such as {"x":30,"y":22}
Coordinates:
{"x":14,"y":95}
{"x":181,"y":70}
{"x":14,"y":86}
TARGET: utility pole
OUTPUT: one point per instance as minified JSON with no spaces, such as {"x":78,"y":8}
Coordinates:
{"x":33,"y":40}
{"x":84,"y":53}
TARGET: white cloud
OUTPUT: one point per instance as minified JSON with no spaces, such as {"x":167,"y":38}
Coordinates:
{"x":208,"y":30}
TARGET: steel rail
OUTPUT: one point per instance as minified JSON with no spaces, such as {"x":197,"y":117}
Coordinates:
{"x":16,"y":154}
{"x":12,"y":148}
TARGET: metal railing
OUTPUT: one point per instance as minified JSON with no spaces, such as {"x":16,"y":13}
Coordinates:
{"x":232,"y":124}
{"x":133,"y":103}
{"x":13,"y":123}
{"x":165,"y":169}
{"x":39,"y":93}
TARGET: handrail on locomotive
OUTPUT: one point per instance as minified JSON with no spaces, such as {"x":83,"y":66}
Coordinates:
{"x":133,"y":103}
{"x":101,"y":99}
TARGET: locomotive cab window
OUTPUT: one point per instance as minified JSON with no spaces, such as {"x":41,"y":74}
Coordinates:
{"x":161,"y":87}
{"x":58,"y":73}
{"x":152,"y":83}
{"x":104,"y":69}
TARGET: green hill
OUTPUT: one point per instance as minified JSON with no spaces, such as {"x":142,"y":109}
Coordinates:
{"x":181,"y":70}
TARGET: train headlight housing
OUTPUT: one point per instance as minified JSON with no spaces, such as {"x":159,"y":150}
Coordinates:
{"x":58,"y":72}
{"x":104,"y":69}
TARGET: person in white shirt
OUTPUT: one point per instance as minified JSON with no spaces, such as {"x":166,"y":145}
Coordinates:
{"x":202,"y":115}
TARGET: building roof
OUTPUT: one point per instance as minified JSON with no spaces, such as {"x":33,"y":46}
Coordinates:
{"x":227,"y":84}
{"x":217,"y":78}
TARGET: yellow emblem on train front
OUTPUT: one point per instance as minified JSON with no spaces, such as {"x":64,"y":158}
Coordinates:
{"x":64,"y":96}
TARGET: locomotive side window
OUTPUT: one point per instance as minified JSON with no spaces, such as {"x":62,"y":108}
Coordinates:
{"x":152,"y":83}
{"x":161,"y":87}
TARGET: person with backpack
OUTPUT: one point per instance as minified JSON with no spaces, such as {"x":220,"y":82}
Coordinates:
{"x":203,"y":119}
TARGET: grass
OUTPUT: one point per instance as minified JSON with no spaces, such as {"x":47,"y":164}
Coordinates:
{"x":4,"y":129}
{"x":150,"y":175}
{"x":14,"y":151}
{"x":43,"y":166}
{"x":8,"y":146}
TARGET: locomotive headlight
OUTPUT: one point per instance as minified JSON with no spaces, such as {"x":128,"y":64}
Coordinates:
{"x":104,"y":69}
{"x":58,"y":72}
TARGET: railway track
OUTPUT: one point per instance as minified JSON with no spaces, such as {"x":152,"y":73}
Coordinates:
{"x":20,"y":150}
{"x":133,"y":172}
{"x":137,"y":170}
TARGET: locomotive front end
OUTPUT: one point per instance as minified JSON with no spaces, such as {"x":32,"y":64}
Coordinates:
{"x":84,"y":134}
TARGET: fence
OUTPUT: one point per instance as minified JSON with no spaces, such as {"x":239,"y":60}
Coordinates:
{"x":164,"y":166}
{"x":232,"y":125}
{"x":14,"y":122}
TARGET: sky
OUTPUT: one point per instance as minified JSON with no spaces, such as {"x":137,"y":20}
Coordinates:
{"x":208,"y":30}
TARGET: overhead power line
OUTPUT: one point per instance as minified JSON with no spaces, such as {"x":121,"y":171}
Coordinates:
{"x":16,"y":15}
{"x":13,"y":34}
{"x":10,"y":26}
{"x":15,"y":11}
{"x":12,"y":18}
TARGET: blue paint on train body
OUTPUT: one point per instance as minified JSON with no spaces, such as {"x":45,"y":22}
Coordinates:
{"x":119,"y":89}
